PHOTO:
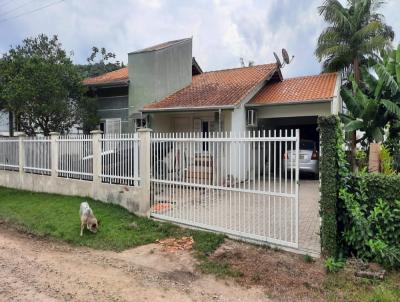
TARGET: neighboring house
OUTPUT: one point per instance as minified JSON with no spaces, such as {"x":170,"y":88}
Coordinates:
{"x":152,"y":74}
{"x":4,"y":128}
{"x":164,"y":88}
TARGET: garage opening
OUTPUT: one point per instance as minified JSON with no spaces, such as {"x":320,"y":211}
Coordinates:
{"x":309,"y":140}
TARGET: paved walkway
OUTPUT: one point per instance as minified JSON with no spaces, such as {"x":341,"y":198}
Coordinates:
{"x":309,"y":220}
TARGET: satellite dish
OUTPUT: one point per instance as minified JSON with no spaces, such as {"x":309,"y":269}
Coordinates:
{"x":278,"y":61}
{"x":285,"y":56}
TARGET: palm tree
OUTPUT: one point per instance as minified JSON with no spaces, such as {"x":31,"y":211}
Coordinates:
{"x":355,"y":33}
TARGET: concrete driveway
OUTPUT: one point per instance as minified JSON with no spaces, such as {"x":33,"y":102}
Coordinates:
{"x":250,"y":215}
{"x":309,"y":220}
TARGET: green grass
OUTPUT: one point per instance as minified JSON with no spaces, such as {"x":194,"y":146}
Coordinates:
{"x":219,"y":269}
{"x":57,"y":217}
{"x":344,"y":286}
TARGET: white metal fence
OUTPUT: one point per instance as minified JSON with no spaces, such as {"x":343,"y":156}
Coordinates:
{"x":9,"y":153}
{"x":243,"y":184}
{"x":37,"y":155}
{"x":120,"y":159}
{"x":75,"y":157}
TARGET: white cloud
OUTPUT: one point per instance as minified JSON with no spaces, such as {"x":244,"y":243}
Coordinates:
{"x":222,"y":30}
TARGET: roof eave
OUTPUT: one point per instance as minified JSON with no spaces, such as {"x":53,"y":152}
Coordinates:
{"x":149,"y":49}
{"x":255,"y":89}
{"x":180,"y":109}
{"x":313,"y":101}
{"x":109,"y":84}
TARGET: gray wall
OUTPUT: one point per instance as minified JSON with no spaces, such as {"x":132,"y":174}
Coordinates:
{"x":158,"y":73}
{"x":114,"y":107}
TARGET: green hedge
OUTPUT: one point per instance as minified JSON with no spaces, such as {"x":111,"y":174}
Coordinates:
{"x":386,"y":187}
{"x":369,"y":219}
{"x":329,"y":171}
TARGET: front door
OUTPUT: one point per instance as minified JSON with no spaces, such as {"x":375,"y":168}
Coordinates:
{"x":205,"y":129}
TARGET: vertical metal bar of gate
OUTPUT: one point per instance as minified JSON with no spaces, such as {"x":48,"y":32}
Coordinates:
{"x":219,"y":189}
{"x":297,"y":186}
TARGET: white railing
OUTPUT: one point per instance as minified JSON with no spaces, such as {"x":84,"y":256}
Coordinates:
{"x":120,"y":159}
{"x":37,"y":155}
{"x":75,"y":157}
{"x":9,"y":153}
{"x":242,"y":184}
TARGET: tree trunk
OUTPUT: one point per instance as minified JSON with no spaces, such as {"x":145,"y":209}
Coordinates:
{"x":373,"y":158}
{"x":10,"y":124}
{"x":353,"y":148}
{"x":353,"y":134}
{"x":356,"y":70}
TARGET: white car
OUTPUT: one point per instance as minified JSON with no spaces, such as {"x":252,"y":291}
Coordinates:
{"x":308,"y":158}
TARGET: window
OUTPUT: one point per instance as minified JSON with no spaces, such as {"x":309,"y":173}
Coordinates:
{"x":111,"y":126}
{"x":251,"y":118}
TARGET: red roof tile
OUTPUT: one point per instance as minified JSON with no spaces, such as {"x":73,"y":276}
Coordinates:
{"x":301,"y":89}
{"x":120,"y":75}
{"x":216,"y":88}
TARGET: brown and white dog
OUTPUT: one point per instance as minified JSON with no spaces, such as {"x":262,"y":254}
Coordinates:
{"x":87,"y":218}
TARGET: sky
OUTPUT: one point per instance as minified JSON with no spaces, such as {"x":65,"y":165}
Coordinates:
{"x":222,"y":30}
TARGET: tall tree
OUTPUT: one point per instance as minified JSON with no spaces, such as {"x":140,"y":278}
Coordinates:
{"x":99,"y":62}
{"x":355,"y":33}
{"x":40,"y":85}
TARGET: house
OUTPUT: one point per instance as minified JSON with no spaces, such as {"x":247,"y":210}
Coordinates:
{"x":4,"y":123}
{"x":164,"y":88}
{"x":152,"y":74}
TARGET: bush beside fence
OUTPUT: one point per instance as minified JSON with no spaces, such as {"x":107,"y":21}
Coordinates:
{"x":370,"y":218}
{"x":329,"y":170}
{"x":380,"y":186}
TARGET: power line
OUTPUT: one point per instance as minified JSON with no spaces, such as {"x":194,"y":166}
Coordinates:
{"x":31,"y":11}
{"x":16,"y":8}
{"x":8,"y":4}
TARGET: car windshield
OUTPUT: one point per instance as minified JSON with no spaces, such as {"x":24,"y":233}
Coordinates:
{"x":307,"y":145}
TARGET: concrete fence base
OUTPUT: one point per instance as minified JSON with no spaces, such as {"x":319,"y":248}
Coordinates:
{"x":135,"y":199}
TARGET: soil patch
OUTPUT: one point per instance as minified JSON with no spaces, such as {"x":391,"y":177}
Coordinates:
{"x":285,"y":276}
{"x":39,"y":269}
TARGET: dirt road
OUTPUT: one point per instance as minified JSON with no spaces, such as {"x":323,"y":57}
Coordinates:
{"x":33,"y":269}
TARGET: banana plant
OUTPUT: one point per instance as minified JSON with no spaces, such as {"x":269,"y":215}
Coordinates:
{"x":374,"y":104}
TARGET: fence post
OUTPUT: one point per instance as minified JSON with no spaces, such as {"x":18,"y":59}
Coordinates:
{"x":21,"y":154}
{"x":144,"y":170}
{"x":96,"y":136}
{"x":54,"y":153}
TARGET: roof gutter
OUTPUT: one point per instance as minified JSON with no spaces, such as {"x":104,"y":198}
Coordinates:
{"x":292,"y":103}
{"x":179,"y":109}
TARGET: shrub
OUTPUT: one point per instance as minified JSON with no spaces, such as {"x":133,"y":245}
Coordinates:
{"x":380,"y":186}
{"x":371,"y":231}
{"x":333,"y":266}
{"x":329,"y":168}
{"x":361,"y":159}
{"x":386,"y":161}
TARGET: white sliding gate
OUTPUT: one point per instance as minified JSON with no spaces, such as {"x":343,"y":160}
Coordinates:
{"x":245,"y":185}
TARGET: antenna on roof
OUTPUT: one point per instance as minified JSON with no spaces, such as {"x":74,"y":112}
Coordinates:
{"x":285,"y":56}
{"x":286,"y":59}
{"x":278,"y":61}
